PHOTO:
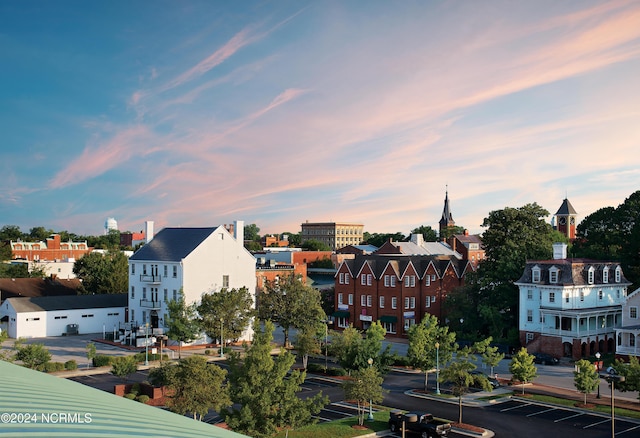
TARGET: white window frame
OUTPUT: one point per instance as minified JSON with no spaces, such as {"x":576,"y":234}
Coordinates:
{"x":346,"y":278}
{"x":350,"y":299}
{"x":363,"y":279}
{"x":341,"y":278}
{"x":386,"y":281}
{"x":406,"y":302}
{"x":369,"y":301}
{"x":369,"y":277}
{"x":427,"y":280}
{"x":529,"y":315}
{"x":605,"y":275}
{"x":413,"y":302}
{"x":381,"y":302}
{"x":340,"y":298}
{"x":427,"y":301}
{"x":529,"y":294}
{"x":392,"y":280}
{"x":363,"y":300}
{"x":535,"y":275}
{"x":618,"y":274}
{"x":633,"y":312}
{"x":552,"y":297}
{"x":591,"y":275}
{"x":553,"y":275}
{"x":133,"y":292}
{"x":394,"y":302}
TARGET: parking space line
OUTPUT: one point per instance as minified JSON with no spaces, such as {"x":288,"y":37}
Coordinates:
{"x":628,"y":430}
{"x":338,"y":412}
{"x":570,"y":416}
{"x":541,"y":412}
{"x":516,"y":407}
{"x":596,"y":424}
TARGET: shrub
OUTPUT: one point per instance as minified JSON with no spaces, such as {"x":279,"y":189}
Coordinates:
{"x":207,"y":352}
{"x":51,"y":367}
{"x":142,"y":398}
{"x":315,"y":368}
{"x":102,"y":360}
{"x":401,"y":361}
{"x":71,"y":365}
{"x":336,"y":372}
{"x":130,"y":396}
{"x":135,"y":388}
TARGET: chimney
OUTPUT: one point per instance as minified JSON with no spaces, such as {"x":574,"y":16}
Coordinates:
{"x":148,"y":231}
{"x":238,"y":231}
{"x":559,"y":251}
{"x":418,"y":239}
{"x":466,"y":232}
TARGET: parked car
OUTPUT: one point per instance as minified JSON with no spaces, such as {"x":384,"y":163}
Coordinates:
{"x":492,"y":380}
{"x":545,"y":359}
{"x":420,"y":423}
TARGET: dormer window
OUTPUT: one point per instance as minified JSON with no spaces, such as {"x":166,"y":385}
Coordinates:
{"x":605,"y":275}
{"x":535,"y":274}
{"x":553,"y":275}
{"x":618,"y":274}
{"x":590,"y":275}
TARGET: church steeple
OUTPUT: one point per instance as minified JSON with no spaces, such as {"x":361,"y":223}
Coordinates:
{"x":447,"y":218}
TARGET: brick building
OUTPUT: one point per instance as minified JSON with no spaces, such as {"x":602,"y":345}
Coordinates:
{"x":333,"y":234}
{"x":52,"y":249}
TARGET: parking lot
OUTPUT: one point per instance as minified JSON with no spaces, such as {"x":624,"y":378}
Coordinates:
{"x":586,"y":423}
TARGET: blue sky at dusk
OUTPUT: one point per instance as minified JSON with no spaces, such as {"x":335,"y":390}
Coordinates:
{"x":197,"y":113}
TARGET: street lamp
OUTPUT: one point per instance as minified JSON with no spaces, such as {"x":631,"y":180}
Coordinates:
{"x":370,"y":417}
{"x":611,"y":378}
{"x":146,"y":344}
{"x":438,"y":368}
{"x":598,"y":368}
{"x":221,"y":338}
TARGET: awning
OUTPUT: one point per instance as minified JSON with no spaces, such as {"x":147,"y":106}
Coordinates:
{"x":341,"y":314}
{"x":386,"y":318}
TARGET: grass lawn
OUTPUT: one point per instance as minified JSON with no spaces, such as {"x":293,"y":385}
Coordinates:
{"x":340,"y":428}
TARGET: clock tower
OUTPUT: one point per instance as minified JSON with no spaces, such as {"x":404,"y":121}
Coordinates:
{"x":566,"y":219}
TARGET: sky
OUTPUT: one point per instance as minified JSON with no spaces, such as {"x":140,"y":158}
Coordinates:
{"x":199,"y":113}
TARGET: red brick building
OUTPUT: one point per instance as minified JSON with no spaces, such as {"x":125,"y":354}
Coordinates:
{"x":52,"y":249}
{"x":469,"y":246}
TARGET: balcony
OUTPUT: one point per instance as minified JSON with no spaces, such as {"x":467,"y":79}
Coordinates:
{"x":154,"y":279}
{"x":150,"y":304}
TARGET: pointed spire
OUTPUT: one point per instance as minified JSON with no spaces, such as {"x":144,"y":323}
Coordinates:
{"x":447,"y":217}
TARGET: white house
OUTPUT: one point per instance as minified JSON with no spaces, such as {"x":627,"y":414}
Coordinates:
{"x":570,"y":307}
{"x":38,"y":317}
{"x":188,"y":261}
{"x":628,"y":336}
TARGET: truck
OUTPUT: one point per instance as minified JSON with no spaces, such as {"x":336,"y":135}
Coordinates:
{"x":420,"y":423}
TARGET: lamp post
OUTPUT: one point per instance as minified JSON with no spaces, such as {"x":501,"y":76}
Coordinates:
{"x":611,"y":378}
{"x":370,"y":417}
{"x":146,"y":344}
{"x":438,"y":368}
{"x":221,"y":338}
{"x":598,"y":355}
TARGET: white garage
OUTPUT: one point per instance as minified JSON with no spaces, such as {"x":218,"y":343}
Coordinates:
{"x":38,"y":317}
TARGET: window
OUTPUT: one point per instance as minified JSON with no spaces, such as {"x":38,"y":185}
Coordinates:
{"x":529,"y":294}
{"x":166,"y":295}
{"x":63,"y":317}
{"x":343,"y":322}
{"x":346,"y":278}
{"x":350,"y":299}
{"x":390,"y":327}
{"x":406,"y":303}
{"x":363,"y":300}
{"x":605,"y":275}
{"x":90,"y":315}
{"x":427,"y":280}
{"x":590,"y":275}
{"x":633,"y":312}
{"x":133,"y":315}
{"x":144,"y":269}
{"x":37,"y":319}
{"x":535,"y":275}
{"x":110,"y":314}
{"x":413,"y":281}
{"x":363,"y":279}
{"x":433,"y":278}
{"x":618,"y":274}
{"x":369,"y":277}
{"x":386,"y":281}
{"x":529,"y":337}
{"x":393,"y":280}
{"x":529,"y":315}
{"x":369,"y":300}
{"x":339,"y":298}
{"x":144,"y":316}
{"x":381,"y":302}
{"x":566,"y":298}
{"x":166,"y":271}
{"x":175,"y":295}
{"x":408,"y":323}
{"x":225,"y":281}
{"x":618,"y":294}
{"x":175,"y":272}
{"x":632,"y":340}
{"x":133,"y":292}
{"x":600,"y":294}
{"x":553,"y":276}
{"x":341,"y":280}
{"x":413,"y":302}
{"x":144,"y":293}
{"x":407,"y":281}
{"x":133,"y":269}
{"x":581,"y":295}
{"x":427,"y":301}
{"x":552,"y":297}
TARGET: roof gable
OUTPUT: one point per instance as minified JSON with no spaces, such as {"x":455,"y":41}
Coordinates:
{"x":173,"y":244}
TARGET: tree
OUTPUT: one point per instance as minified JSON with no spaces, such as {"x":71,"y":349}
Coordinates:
{"x":40,"y":233}
{"x":585,"y":377}
{"x":522,"y":367}
{"x":182,"y":322}
{"x":295,"y":239}
{"x":450,"y":231}
{"x":251,"y":232}
{"x":458,"y":372}
{"x":377,"y":239}
{"x":229,"y":310}
{"x":428,"y":233}
{"x":352,"y":351}
{"x":315,"y":245}
{"x":308,"y":341}
{"x":631,"y":373}
{"x":196,"y":387}
{"x":290,"y":303}
{"x":103,"y":273}
{"x":490,"y":355}
{"x":422,"y":345}
{"x":33,"y":356}
{"x":122,"y":366}
{"x":265,"y":398}
{"x":91,"y":351}
{"x":365,"y":386}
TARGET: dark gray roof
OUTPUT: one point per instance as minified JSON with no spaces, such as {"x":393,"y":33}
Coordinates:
{"x":68,"y":302}
{"x":421,"y":262}
{"x":566,"y":208}
{"x":572,"y":272}
{"x":173,"y":244}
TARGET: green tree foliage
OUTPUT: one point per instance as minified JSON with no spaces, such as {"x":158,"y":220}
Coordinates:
{"x":33,"y":356}
{"x":103,"y":273}
{"x":450,"y":231}
{"x":196,"y":387}
{"x":307,"y":341}
{"x":315,"y":245}
{"x":182,"y":322}
{"x":252,"y":232}
{"x":40,"y":233}
{"x":123,"y":366}
{"x":14,"y":270}
{"x":267,"y":398}
{"x":365,"y":386}
{"x":585,"y":378}
{"x":10,"y":232}
{"x":522,"y":367}
{"x":490,"y":355}
{"x":428,"y":233}
{"x":252,"y":246}
{"x":422,"y":345}
{"x":295,"y":239}
{"x":458,"y":373}
{"x":377,"y":239}
{"x":290,"y":303}
{"x":91,"y":351}
{"x":231,"y":307}
{"x":352,"y":351}
{"x":631,"y":373}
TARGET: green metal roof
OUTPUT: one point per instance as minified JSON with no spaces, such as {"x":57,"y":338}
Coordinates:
{"x":50,"y":406}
